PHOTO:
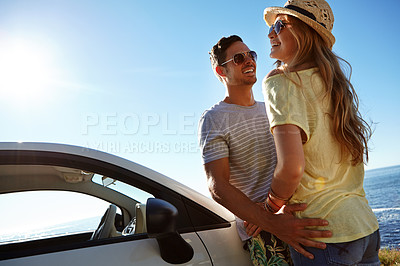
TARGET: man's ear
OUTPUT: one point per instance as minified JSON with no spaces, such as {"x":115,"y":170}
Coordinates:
{"x":220,"y":71}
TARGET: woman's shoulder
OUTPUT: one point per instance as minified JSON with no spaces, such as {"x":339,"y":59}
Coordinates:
{"x":275,"y":75}
{"x":274,"y":72}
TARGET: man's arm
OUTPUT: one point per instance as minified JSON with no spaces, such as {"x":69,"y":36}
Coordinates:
{"x":284,"y":225}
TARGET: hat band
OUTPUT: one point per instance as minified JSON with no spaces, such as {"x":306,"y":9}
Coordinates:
{"x":305,"y":13}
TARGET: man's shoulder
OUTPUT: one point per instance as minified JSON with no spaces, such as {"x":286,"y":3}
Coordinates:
{"x":214,"y":110}
{"x":261,"y":104}
{"x":222,"y":109}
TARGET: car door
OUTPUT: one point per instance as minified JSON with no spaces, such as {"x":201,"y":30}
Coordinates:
{"x":178,"y":230}
{"x":48,"y":246}
{"x":134,"y":252}
{"x":50,"y":228}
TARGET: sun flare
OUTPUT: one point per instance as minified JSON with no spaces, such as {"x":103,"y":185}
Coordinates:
{"x":25,"y":73}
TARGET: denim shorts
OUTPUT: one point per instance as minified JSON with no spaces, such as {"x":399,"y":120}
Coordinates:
{"x":363,"y":251}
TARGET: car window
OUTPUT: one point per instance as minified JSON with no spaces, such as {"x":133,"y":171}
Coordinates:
{"x":134,"y":193}
{"x":42,"y":202}
{"x":36,"y":215}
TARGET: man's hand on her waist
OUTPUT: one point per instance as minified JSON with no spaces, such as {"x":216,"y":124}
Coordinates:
{"x":292,"y":230}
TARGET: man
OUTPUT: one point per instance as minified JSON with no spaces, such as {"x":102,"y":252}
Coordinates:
{"x":239,"y":156}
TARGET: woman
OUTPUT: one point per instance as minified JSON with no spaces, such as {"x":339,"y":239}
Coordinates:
{"x":320,"y":136}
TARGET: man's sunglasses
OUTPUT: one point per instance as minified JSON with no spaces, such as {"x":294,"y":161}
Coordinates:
{"x":277,"y":27}
{"x":239,"y":58}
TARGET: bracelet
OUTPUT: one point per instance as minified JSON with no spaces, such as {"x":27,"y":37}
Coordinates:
{"x":270,"y":199}
{"x":267,"y":207}
{"x":277,"y":197}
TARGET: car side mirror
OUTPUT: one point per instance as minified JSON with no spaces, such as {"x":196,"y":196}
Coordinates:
{"x":161,"y":219}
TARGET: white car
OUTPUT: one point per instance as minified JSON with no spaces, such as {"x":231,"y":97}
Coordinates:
{"x":68,"y":205}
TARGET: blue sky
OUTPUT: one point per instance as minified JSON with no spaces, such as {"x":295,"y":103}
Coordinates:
{"x":132,"y":78}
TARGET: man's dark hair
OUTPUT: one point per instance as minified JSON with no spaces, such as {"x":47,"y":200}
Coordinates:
{"x":218,"y":52}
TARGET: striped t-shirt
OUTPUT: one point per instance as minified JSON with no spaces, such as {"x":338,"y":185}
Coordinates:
{"x":241,"y":133}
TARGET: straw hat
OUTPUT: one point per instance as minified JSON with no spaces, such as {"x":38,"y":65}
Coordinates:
{"x":315,"y":13}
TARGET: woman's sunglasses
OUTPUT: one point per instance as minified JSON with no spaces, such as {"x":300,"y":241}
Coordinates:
{"x":239,"y":58}
{"x":277,"y":27}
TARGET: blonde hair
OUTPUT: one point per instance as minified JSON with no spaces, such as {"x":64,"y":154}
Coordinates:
{"x":349,"y":128}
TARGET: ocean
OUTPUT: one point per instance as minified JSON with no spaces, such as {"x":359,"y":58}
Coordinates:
{"x":382,"y":188}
